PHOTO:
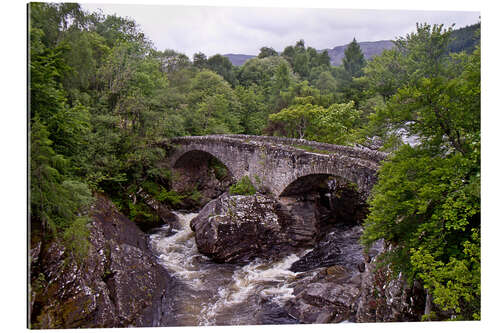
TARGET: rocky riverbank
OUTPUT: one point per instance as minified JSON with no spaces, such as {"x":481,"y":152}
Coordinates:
{"x":241,"y":260}
{"x":119,"y":283}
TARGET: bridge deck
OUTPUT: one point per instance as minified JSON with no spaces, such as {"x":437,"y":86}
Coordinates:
{"x":294,"y":144}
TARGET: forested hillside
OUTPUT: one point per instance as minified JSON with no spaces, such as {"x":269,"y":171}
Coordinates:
{"x":102,"y":96}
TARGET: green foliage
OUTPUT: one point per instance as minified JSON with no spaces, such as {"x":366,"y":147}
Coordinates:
{"x":426,"y":203}
{"x":254,"y":110}
{"x":428,"y":207}
{"x":214,"y":104}
{"x":457,"y":283}
{"x":222,"y":66}
{"x":172,"y":197}
{"x":243,"y":187}
{"x":304,"y":120}
{"x":261,"y":71}
{"x":267,"y":52}
{"x":76,"y":238}
{"x":220,"y":170}
{"x":140,"y":212}
{"x":200,"y":60}
{"x":56,"y":200}
{"x":386,"y":73}
{"x":353,"y":60}
{"x":195,"y":196}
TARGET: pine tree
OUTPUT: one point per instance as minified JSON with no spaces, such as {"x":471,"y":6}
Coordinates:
{"x":353,"y":60}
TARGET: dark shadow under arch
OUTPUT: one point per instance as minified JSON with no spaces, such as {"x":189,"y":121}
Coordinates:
{"x":308,"y":183}
{"x":200,"y":177}
{"x":337,"y":197}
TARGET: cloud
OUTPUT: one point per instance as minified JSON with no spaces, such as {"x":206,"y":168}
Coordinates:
{"x":211,"y":30}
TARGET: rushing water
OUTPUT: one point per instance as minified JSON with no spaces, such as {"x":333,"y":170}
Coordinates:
{"x":222,"y":294}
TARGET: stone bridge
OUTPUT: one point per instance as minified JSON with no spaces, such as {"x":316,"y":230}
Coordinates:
{"x":282,"y":165}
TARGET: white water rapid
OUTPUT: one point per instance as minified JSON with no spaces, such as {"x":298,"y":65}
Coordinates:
{"x":222,"y":294}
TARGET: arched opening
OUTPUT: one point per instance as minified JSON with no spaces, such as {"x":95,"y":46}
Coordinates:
{"x":335,"y":208}
{"x":338,"y":200}
{"x":200,"y":177}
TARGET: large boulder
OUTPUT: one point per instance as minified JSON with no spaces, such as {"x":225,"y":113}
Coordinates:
{"x":237,"y":228}
{"x":118,"y":284}
{"x":329,"y":296}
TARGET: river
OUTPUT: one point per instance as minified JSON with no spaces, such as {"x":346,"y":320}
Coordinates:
{"x":211,"y":293}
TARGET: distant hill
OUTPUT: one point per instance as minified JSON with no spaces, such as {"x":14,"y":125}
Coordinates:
{"x":336,"y":54}
{"x":370,"y":49}
{"x":463,"y":39}
{"x":238,"y":59}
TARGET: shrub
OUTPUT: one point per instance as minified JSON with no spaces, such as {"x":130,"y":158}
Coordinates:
{"x":243,"y":187}
{"x":171,"y":196}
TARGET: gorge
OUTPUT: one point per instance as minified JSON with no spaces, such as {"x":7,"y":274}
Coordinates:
{"x":264,"y":258}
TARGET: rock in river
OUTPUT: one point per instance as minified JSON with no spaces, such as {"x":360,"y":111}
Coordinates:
{"x":237,"y":228}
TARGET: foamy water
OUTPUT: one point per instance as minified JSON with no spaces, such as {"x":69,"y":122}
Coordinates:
{"x":219,"y":294}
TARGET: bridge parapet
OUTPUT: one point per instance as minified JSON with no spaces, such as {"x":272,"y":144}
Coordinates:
{"x":363,"y":153}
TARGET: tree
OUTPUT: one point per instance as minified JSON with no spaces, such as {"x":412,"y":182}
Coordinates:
{"x":353,"y":60}
{"x":304,"y":120}
{"x":254,"y":110}
{"x":55,"y":199}
{"x":171,"y":61}
{"x":200,"y":60}
{"x":223,"y":66}
{"x":426,"y":204}
{"x":214,"y":106}
{"x":324,"y":58}
{"x":386,"y":73}
{"x":289,"y":53}
{"x":326,"y":83}
{"x":261,"y":71}
{"x":267,"y":52}
{"x":301,"y":64}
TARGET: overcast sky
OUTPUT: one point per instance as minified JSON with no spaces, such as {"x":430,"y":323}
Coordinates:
{"x":212,"y":30}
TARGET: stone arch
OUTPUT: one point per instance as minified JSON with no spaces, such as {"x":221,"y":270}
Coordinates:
{"x":354,"y":175}
{"x":339,"y":196}
{"x":198,"y":173}
{"x":306,"y":183}
{"x":193,"y":157}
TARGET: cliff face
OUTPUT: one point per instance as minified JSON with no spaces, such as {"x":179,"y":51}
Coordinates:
{"x":119,"y":283}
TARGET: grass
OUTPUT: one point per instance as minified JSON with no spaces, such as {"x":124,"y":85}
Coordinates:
{"x":312,"y":149}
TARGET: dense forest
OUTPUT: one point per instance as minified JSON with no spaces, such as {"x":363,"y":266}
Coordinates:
{"x":101,"y":96}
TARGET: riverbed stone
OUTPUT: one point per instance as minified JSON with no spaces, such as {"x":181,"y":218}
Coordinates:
{"x":325,"y":302}
{"x":238,"y":228}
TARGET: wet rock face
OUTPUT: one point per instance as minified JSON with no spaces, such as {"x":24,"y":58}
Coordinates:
{"x":328,"y":296}
{"x":388,"y":298}
{"x":236,"y":229}
{"x":329,"y":288}
{"x":354,"y":288}
{"x":340,"y":246}
{"x":119,"y":283}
